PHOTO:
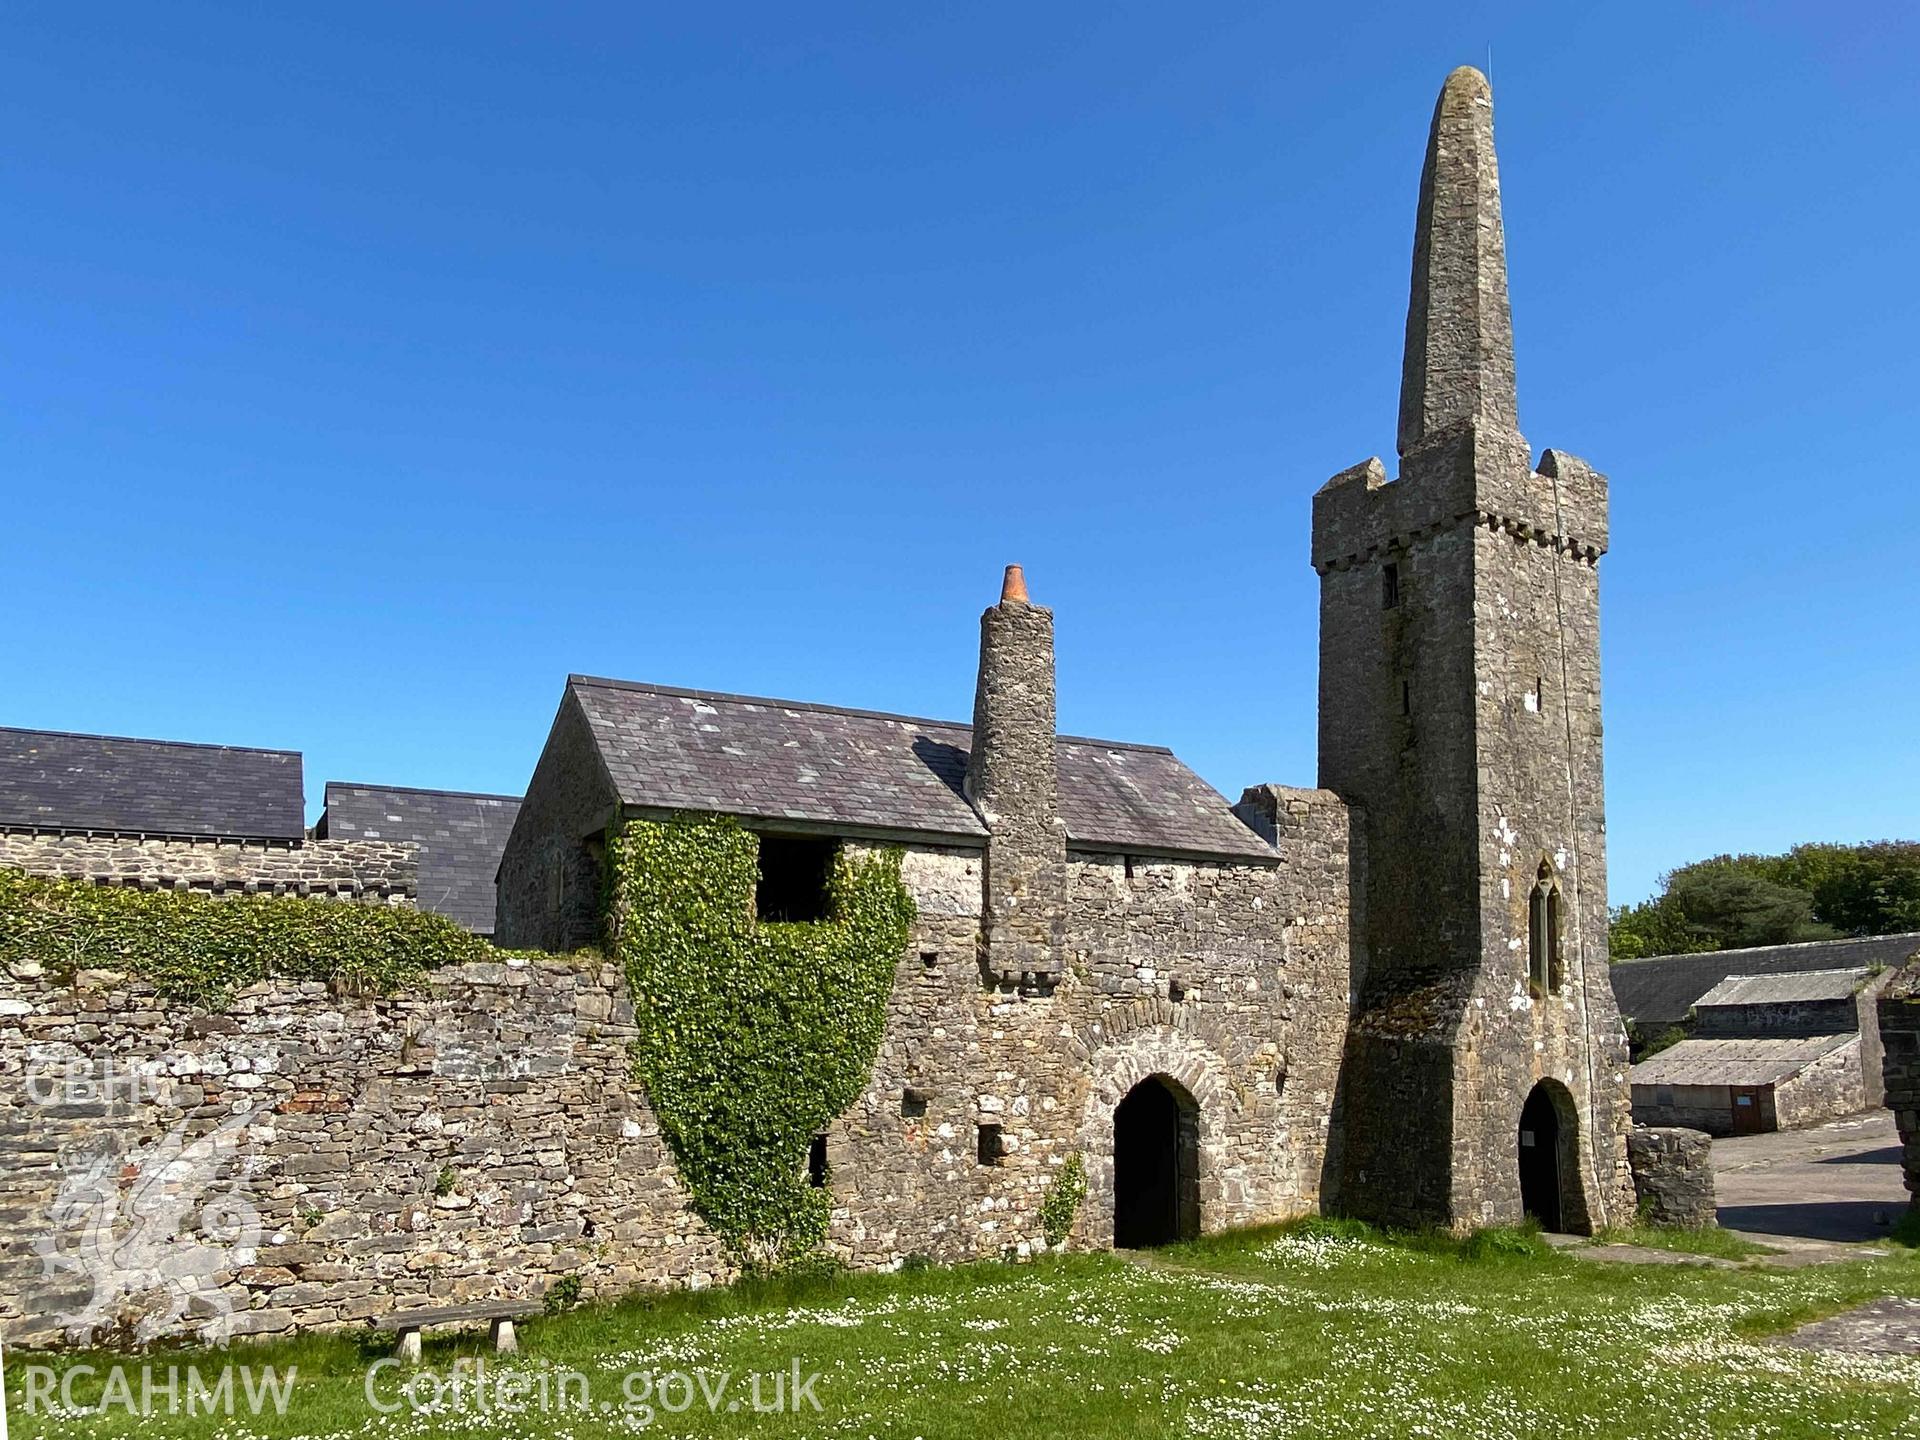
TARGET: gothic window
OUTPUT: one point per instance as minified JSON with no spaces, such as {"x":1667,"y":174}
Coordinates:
{"x":1543,"y":931}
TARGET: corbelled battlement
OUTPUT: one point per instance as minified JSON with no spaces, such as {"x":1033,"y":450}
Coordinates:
{"x":1469,"y":479}
{"x":370,"y":870}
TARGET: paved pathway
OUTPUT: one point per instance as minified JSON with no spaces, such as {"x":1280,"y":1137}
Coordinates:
{"x":1880,"y":1327}
{"x":1806,"y":1192}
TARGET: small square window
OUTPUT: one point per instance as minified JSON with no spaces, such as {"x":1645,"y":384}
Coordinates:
{"x":795,"y":871}
{"x":1389,"y":586}
{"x":930,"y":959}
{"x":913,"y":1103}
{"x":992,"y":1145}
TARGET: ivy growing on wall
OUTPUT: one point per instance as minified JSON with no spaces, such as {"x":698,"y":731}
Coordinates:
{"x":200,"y":948}
{"x":1062,"y":1200}
{"x":753,"y":1036}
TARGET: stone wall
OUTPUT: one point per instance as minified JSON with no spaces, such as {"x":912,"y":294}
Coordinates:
{"x":1900,"y":1064}
{"x":475,"y":1136}
{"x":1828,"y":1088}
{"x":1707,"y":1108}
{"x":1672,"y":1176}
{"x":376,"y":870}
{"x":1232,"y":981}
{"x":548,"y":896}
{"x":480,"y":1134}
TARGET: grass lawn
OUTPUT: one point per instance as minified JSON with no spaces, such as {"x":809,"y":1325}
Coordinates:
{"x":1320,"y":1330}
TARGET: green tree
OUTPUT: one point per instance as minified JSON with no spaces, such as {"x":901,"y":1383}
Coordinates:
{"x":1812,"y":892}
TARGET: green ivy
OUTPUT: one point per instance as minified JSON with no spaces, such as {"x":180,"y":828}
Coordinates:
{"x":1062,"y":1200}
{"x":753,"y":1037}
{"x":201,"y":949}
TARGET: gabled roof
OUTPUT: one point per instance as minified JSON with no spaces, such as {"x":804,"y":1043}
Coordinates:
{"x":1742,"y":1061}
{"x":55,"y":782}
{"x":863,"y":772}
{"x":460,"y":837}
{"x":1802,"y":986}
{"x":1661,"y":990}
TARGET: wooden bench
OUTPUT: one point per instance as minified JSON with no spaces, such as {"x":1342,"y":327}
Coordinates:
{"x":500,"y":1313}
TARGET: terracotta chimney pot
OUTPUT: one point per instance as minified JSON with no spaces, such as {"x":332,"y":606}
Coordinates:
{"x":1014,"y":587}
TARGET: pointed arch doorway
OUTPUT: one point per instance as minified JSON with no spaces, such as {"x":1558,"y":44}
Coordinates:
{"x":1156,"y":1165}
{"x":1545,"y":1143}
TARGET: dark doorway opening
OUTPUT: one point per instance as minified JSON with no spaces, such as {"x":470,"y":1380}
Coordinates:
{"x":1156,"y":1182}
{"x":795,"y":872}
{"x":1540,"y":1147}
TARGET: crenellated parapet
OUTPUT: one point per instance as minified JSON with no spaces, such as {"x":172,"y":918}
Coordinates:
{"x":379,"y":871}
{"x":1469,"y":478}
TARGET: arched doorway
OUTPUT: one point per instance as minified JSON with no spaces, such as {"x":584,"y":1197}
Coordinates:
{"x":1542,"y":1150}
{"x":1156,"y":1181}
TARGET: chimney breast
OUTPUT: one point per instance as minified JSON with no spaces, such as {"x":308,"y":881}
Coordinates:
{"x":1013,"y":782}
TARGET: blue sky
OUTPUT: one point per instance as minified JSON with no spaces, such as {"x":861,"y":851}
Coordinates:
{"x":368,"y":368}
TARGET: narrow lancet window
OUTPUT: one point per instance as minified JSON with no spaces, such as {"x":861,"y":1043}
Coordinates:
{"x":1543,"y":931}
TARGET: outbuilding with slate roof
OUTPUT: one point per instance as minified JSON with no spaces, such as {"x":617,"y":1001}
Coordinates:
{"x":1094,"y":922}
{"x":458,"y":835}
{"x":55,"y":783}
{"x":1770,"y":1052}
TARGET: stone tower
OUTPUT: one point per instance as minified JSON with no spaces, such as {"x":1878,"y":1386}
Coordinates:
{"x":1013,"y":781}
{"x":1460,"y":711}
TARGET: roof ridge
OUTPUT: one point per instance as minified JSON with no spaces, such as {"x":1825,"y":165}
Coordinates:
{"x":422,"y":790}
{"x":1786,"y":945}
{"x":148,"y":740}
{"x":641,"y":686}
{"x":1797,"y":974}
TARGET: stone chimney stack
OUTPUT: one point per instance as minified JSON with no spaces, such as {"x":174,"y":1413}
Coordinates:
{"x":1013,"y":781}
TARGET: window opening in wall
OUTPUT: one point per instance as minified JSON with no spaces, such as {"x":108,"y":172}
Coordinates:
{"x":1126,"y":864}
{"x":913,"y":1103}
{"x":1389,"y":586}
{"x":930,"y":959}
{"x":1543,"y":931}
{"x":794,"y":872}
{"x":1406,"y":697}
{"x":817,"y":1163}
{"x":992,"y":1147}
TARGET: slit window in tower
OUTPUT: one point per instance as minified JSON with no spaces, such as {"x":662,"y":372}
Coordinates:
{"x":1406,"y":697}
{"x":1389,"y":586}
{"x":817,"y":1163}
{"x":1543,"y":932}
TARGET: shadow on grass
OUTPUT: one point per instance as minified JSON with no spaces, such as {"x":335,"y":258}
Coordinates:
{"x":1497,"y":1244}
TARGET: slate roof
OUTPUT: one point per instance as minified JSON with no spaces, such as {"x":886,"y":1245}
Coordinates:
{"x":860,"y":771}
{"x":460,"y":836}
{"x":1661,"y":990}
{"x":1739,"y":1061}
{"x":55,"y":782}
{"x":1786,"y":989}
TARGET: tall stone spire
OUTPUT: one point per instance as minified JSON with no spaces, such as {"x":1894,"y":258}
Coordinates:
{"x":1459,"y":358}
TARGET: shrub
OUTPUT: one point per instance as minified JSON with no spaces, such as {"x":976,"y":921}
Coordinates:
{"x":1062,"y":1201}
{"x":201,"y":949}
